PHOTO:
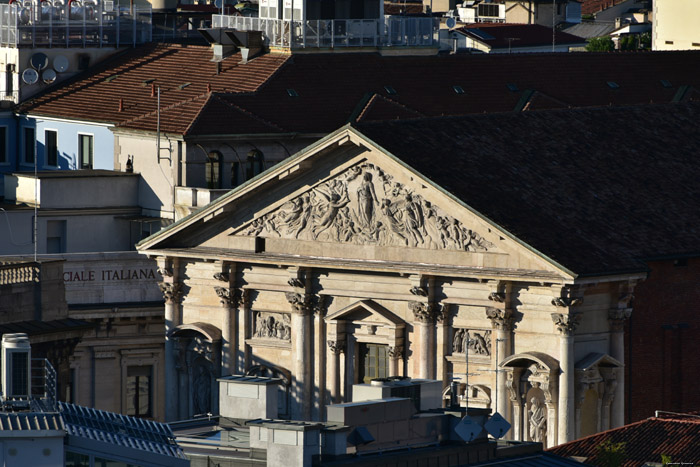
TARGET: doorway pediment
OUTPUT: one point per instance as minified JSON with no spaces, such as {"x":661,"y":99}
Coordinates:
{"x":367,"y":312}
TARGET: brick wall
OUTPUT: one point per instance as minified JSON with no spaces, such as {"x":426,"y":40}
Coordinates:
{"x":663,"y":341}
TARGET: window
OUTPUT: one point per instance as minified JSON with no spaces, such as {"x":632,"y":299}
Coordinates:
{"x":51,"y":147}
{"x":75,"y":459}
{"x":56,"y":236}
{"x":139,"y":391}
{"x":486,"y":9}
{"x":3,"y":144}
{"x":254,"y":164}
{"x":213,"y":169}
{"x":29,"y":145}
{"x":375,"y":362}
{"x":85,"y":150}
{"x":9,"y":79}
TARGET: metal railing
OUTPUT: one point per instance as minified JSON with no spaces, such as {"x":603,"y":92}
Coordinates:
{"x":39,"y":24}
{"x":391,"y":31}
{"x":44,"y":382}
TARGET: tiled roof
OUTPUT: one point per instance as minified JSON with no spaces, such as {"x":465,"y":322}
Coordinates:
{"x":590,"y":30}
{"x":594,"y":6}
{"x":644,"y":441}
{"x":182,"y":72}
{"x":501,"y":36}
{"x":331,"y":89}
{"x":593,"y":189}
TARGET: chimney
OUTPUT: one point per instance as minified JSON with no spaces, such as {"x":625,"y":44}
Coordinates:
{"x":153,"y":89}
{"x":121,"y":105}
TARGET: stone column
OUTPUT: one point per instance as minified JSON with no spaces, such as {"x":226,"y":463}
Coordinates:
{"x":443,"y":346}
{"x":424,"y":325}
{"x":395,"y":355}
{"x":566,"y":325}
{"x":335,"y":348}
{"x":245,"y":331}
{"x":230,"y":298}
{"x":301,"y":355}
{"x":617,"y":318}
{"x":172,"y":293}
{"x":320,"y":357}
{"x":502,"y":323}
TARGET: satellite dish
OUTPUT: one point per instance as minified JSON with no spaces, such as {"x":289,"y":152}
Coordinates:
{"x":497,"y":426}
{"x":48,"y":76}
{"x":450,"y":22}
{"x":30,"y":76}
{"x":60,"y":63}
{"x":468,"y":429}
{"x":218,"y":3}
{"x":39,"y":61}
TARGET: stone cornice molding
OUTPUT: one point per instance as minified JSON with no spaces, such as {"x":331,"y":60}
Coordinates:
{"x":172,"y":291}
{"x":500,"y":319}
{"x":299,"y":302}
{"x":423,"y":312}
{"x":566,"y":323}
{"x":336,"y":347}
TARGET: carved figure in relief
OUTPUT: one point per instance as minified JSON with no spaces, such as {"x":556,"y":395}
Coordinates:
{"x":457,"y":341}
{"x":538,"y":420}
{"x":478,"y":344}
{"x":364,"y":205}
{"x":366,"y":199}
{"x":272,"y":327}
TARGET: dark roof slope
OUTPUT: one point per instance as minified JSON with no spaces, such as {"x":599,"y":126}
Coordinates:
{"x":329,"y":89}
{"x":593,"y":189}
{"x":645,"y":441}
{"x":503,"y":36}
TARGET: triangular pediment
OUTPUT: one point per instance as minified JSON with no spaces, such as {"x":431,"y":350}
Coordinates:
{"x":347,"y":199}
{"x":596,"y":359}
{"x":367,"y":312}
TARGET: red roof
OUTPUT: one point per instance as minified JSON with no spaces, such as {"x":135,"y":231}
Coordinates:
{"x":318,"y":93}
{"x":644,"y":441}
{"x":501,"y":36}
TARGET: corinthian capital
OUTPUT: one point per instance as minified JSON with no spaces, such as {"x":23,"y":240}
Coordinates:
{"x":336,"y":347}
{"x":500,"y":319}
{"x":229,"y":297}
{"x":172,"y":292}
{"x":423,"y":312}
{"x":566,"y":323}
{"x":299,"y":302}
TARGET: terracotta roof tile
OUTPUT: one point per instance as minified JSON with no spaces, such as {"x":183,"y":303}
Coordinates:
{"x":594,"y":189}
{"x":330,"y":87}
{"x":645,"y":441}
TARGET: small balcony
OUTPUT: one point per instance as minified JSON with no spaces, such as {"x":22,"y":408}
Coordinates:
{"x":390,"y":31}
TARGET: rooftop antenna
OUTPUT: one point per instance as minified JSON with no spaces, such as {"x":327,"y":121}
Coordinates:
{"x":36,"y":203}
{"x":158,"y":124}
{"x":554,"y":22}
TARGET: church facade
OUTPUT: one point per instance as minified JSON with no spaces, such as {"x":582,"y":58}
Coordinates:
{"x":346,"y":263}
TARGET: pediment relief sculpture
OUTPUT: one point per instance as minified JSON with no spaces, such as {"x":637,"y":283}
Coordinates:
{"x":364,"y":205}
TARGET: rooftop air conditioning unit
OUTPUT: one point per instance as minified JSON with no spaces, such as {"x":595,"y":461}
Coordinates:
{"x":16,"y":366}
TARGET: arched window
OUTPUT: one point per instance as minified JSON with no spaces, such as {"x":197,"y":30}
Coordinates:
{"x":255,"y":163}
{"x":213,"y":169}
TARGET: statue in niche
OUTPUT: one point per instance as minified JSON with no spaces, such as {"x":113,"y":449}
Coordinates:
{"x":363,"y":205}
{"x":538,"y":420}
{"x":202,"y":390}
{"x":457,"y":345}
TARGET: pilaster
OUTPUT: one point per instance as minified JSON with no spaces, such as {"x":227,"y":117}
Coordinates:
{"x":424,"y":314}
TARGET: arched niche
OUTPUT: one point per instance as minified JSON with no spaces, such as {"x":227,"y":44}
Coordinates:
{"x":595,"y":378}
{"x":524,"y":372}
{"x":198,"y":364}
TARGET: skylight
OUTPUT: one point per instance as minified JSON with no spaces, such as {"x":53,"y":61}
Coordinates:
{"x":666,"y":83}
{"x":458,"y":89}
{"x":613,"y":85}
{"x":513,"y":87}
{"x":389,"y":90}
{"x":292,"y":93}
{"x":183,"y":86}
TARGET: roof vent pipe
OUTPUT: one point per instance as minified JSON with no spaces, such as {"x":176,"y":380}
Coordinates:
{"x":121,"y":105}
